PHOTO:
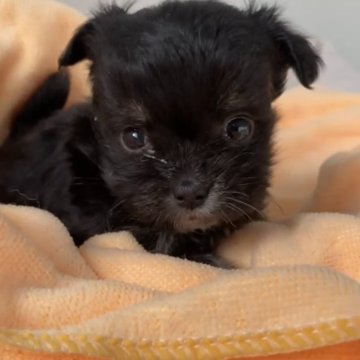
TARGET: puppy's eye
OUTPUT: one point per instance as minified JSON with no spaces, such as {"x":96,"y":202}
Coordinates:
{"x":239,"y":128}
{"x":133,"y":138}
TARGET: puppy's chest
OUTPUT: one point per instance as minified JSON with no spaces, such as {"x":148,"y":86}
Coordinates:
{"x":88,"y":190}
{"x":178,"y":244}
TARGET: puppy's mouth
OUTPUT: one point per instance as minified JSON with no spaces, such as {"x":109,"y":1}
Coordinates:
{"x":193,"y":220}
{"x":200,"y":218}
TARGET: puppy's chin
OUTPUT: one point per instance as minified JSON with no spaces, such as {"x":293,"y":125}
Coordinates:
{"x":186,"y":221}
{"x":201,"y":218}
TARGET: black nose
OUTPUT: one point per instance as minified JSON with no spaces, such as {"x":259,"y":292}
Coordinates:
{"x":190,"y":193}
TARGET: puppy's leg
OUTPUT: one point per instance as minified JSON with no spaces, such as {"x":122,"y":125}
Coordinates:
{"x":194,"y":248}
{"x":210,"y":259}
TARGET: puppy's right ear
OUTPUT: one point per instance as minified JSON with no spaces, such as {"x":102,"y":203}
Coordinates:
{"x":78,"y":47}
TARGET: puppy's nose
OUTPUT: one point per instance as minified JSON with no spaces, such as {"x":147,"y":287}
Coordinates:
{"x":190,"y":193}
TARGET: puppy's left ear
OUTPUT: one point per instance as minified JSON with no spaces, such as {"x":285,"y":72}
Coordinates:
{"x":78,"y":48}
{"x":298,"y":53}
{"x":291,"y":49}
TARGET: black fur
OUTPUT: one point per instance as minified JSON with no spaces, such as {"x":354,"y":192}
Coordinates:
{"x":180,"y":71}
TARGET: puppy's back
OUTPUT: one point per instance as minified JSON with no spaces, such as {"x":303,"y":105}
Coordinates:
{"x":50,"y":97}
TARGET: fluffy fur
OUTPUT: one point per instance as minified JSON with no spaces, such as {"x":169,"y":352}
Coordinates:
{"x":180,"y":72}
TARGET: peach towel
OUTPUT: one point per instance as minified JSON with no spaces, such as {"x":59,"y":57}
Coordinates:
{"x":33,"y":34}
{"x":297,"y":296}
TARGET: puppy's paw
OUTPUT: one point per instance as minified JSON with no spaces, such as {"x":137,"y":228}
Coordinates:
{"x":211,"y":259}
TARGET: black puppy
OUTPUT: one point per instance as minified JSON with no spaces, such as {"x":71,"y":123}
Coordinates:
{"x":175,"y":145}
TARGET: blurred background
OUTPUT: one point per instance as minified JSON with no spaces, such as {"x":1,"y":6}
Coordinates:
{"x":333,"y":23}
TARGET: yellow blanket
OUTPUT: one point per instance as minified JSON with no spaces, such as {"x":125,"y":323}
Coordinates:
{"x":296,"y":297}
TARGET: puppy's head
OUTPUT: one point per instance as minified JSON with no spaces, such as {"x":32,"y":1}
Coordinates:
{"x":183,"y":94}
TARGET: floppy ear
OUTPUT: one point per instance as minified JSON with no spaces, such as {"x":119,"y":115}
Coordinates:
{"x":292,"y":50}
{"x":77,"y":49}
{"x":299,"y":54}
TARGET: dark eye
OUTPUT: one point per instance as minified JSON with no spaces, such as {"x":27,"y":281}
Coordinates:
{"x":239,"y":128}
{"x":133,"y":138}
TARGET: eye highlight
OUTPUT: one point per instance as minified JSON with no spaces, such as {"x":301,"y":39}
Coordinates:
{"x":133,"y":138}
{"x":239,"y":128}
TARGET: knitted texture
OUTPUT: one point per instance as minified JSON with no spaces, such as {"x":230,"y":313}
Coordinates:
{"x":296,"y":294}
{"x":33,"y":34}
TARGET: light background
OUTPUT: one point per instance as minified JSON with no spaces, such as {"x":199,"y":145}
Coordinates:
{"x":336,"y":23}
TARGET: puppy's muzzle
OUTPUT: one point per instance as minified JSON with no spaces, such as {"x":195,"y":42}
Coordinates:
{"x":189,"y":193}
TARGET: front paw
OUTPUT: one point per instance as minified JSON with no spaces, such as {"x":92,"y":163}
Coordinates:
{"x":211,"y":259}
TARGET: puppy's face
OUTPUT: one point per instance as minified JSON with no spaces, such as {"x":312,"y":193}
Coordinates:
{"x":183,"y":94}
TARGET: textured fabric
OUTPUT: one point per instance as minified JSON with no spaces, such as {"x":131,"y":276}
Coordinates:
{"x":296,"y":296}
{"x":33,"y":34}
